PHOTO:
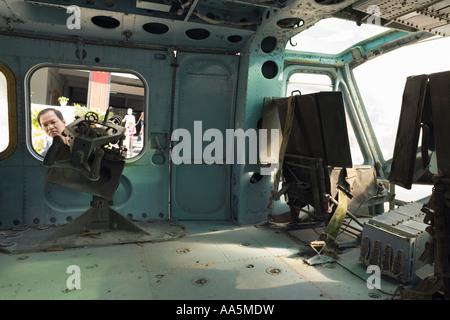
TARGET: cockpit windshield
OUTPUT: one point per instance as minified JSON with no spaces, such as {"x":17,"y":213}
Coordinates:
{"x":332,"y":36}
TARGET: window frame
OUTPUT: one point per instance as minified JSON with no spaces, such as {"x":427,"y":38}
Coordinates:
{"x":12,"y":112}
{"x":310,"y":73}
{"x":28,"y":118}
{"x":318,"y":31}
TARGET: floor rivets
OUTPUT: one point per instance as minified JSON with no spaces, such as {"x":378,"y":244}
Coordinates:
{"x":273,"y":271}
{"x":200,"y":282}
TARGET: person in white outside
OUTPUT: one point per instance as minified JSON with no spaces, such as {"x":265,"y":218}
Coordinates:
{"x":130,"y":125}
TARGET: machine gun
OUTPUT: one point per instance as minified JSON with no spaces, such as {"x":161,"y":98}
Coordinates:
{"x":93,"y":163}
{"x":90,"y":141}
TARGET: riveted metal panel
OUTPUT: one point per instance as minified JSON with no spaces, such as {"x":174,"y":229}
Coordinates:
{"x":201,"y":185}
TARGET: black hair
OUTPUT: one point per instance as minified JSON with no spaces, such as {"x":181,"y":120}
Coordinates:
{"x":43,"y":111}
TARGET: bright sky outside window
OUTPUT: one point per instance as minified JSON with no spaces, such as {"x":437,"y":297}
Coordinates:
{"x":382,"y":92}
{"x":382,"y":89}
{"x":332,"y":36}
{"x":308,"y":83}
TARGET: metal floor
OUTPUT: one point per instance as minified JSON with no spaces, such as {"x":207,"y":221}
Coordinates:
{"x":212,"y":261}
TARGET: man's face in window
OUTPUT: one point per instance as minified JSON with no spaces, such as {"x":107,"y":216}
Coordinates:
{"x":52,"y":125}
